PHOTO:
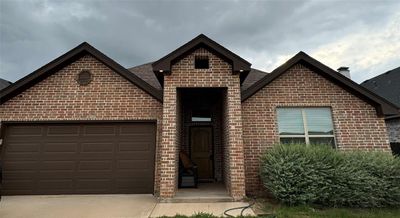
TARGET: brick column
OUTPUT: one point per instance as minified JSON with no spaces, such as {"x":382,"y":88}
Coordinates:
{"x":168,"y":147}
{"x":235,"y":144}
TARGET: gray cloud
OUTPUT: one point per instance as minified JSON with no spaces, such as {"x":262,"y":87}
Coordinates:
{"x":32,"y":33}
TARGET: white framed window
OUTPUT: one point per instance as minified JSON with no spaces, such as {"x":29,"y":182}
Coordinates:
{"x":310,"y":125}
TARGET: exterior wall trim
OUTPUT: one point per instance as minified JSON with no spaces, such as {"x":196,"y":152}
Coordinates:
{"x":6,"y":122}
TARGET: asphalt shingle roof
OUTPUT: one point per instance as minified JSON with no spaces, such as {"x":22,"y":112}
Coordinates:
{"x":4,"y":83}
{"x":145,"y":72}
{"x":386,"y":85}
{"x":253,"y":77}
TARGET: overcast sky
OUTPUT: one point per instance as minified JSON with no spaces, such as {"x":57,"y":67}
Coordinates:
{"x":363,"y":35}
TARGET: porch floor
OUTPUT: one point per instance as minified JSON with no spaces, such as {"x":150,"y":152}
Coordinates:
{"x":205,"y":192}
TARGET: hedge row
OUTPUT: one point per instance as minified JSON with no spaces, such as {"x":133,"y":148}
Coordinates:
{"x":300,"y":174}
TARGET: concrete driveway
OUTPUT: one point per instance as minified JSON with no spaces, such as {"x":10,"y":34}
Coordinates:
{"x":105,"y":206}
{"x":85,"y":206}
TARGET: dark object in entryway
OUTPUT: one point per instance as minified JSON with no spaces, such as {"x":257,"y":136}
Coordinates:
{"x":187,"y":172}
{"x":395,"y":146}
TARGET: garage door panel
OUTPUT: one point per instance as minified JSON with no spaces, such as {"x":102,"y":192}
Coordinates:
{"x":134,"y":146}
{"x":56,"y":174}
{"x":131,"y":173}
{"x":18,"y":184}
{"x":63,"y":130}
{"x":20,"y":165}
{"x":59,"y":156}
{"x":96,"y":130}
{"x":23,"y":151}
{"x":78,"y":158}
{"x":95,"y":165}
{"x":60,"y":146}
{"x":93,"y":184}
{"x":97,"y":146}
{"x":19,"y":174}
{"x":135,"y":155}
{"x":57,"y":165}
{"x":95,"y":174}
{"x":146,"y":129}
{"x":24,"y":147}
{"x":133,"y":164}
{"x":138,"y":140}
{"x":95,"y":155}
{"x":56,"y":184}
{"x":25,"y":131}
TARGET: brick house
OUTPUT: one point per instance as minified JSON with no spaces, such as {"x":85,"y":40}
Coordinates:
{"x":84,"y":124}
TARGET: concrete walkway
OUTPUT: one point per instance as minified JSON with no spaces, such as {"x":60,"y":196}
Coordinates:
{"x":104,"y":206}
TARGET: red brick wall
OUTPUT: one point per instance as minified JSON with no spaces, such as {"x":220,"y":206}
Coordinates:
{"x":108,"y":97}
{"x":356,"y":123}
{"x":183,"y":74}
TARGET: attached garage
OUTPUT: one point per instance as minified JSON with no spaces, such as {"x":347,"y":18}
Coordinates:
{"x":78,"y":158}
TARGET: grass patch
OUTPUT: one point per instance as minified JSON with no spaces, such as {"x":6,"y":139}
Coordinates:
{"x":267,"y":209}
{"x":280,"y":211}
{"x":305,"y":211}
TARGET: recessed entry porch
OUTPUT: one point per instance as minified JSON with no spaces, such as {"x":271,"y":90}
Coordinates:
{"x":202,"y":142}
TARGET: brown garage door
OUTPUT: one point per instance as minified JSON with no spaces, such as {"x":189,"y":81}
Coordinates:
{"x":78,"y":158}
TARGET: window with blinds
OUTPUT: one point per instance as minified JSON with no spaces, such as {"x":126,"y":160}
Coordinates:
{"x":306,"y":125}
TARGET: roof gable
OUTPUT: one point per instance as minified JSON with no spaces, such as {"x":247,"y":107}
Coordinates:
{"x":239,"y":65}
{"x":382,"y":106}
{"x":67,"y":58}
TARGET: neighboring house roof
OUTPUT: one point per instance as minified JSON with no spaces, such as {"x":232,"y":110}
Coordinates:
{"x":4,"y":83}
{"x":239,"y":65}
{"x":386,"y":85}
{"x":383,"y":106}
{"x":68,"y":58}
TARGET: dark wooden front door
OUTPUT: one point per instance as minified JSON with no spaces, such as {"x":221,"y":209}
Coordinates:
{"x":202,"y":151}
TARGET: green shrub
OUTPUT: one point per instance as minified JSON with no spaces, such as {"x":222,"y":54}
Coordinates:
{"x":300,"y":174}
